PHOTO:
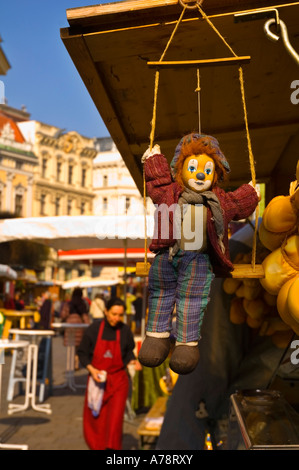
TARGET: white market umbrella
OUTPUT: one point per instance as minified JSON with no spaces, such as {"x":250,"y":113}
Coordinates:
{"x":73,"y":232}
{"x":7,"y":272}
{"x":87,"y":281}
{"x":75,"y":282}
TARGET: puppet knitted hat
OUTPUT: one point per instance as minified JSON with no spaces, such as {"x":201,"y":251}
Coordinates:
{"x":208,"y":141}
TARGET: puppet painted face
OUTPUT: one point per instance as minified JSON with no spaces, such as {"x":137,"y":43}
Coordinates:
{"x":198,"y":172}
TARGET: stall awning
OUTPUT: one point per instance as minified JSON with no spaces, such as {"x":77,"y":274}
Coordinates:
{"x":27,"y":275}
{"x":7,"y":273}
{"x":104,"y":256}
{"x":74,"y":232}
{"x":108,"y":277}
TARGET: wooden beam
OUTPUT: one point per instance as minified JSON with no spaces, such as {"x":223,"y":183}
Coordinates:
{"x":246,"y":271}
{"x":200,"y":63}
{"x":159,"y":11}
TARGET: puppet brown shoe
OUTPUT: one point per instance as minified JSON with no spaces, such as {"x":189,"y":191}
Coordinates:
{"x":154,"y":351}
{"x":184,"y":359}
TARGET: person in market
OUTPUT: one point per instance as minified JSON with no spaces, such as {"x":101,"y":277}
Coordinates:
{"x":19,"y":302}
{"x":105,"y":351}
{"x":9,"y":303}
{"x":46,"y":311}
{"x":137,"y":304}
{"x":75,"y":311}
{"x":97,"y":307}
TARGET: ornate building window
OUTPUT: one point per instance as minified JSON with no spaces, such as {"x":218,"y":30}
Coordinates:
{"x":69,"y":206}
{"x":105,"y":205}
{"x":82,"y":208}
{"x":128,"y":203}
{"x":58,"y":170}
{"x":57,"y":205}
{"x":83,"y":177}
{"x":70,"y":174}
{"x":105,"y":181}
{"x":44,"y":167}
{"x":19,"y":200}
{"x":19,"y":205}
{"x":42,"y":204}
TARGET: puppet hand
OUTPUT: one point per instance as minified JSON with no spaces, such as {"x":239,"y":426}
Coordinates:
{"x":149,"y":153}
{"x":256,"y":190}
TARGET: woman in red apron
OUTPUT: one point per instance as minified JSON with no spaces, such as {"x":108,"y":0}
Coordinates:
{"x":111,"y":355}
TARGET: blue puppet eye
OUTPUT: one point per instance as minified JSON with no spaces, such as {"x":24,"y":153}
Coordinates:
{"x":209,"y":168}
{"x":191,"y":168}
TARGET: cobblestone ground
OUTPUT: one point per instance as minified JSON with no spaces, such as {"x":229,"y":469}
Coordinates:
{"x":62,"y":430}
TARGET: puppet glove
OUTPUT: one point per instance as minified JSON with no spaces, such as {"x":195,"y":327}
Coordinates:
{"x":150,"y":152}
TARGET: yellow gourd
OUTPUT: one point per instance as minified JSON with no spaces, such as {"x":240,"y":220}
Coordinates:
{"x":293,"y":300}
{"x":230,"y":285}
{"x":269,"y":299}
{"x":270,"y":240}
{"x":277,"y":268}
{"x":282,"y":302}
{"x":256,"y":308}
{"x":237,"y":314}
{"x":279,"y":215}
{"x":254,"y":323}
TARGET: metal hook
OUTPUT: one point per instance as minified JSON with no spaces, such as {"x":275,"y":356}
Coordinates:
{"x":285,"y":37}
{"x":191,"y":7}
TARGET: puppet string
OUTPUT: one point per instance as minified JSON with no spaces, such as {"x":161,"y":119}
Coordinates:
{"x":157,"y":77}
{"x":153,"y":123}
{"x":251,"y":157}
{"x":197,"y":90}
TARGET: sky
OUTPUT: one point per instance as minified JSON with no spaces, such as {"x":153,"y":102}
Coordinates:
{"x":43,"y":77}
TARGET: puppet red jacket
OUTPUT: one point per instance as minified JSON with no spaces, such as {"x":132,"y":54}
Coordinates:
{"x":236,"y":205}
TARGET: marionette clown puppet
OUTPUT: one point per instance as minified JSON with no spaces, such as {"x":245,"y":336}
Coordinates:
{"x":190,"y":242}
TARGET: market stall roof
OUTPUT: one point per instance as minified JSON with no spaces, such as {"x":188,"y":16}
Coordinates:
{"x":108,"y":277}
{"x":111,"y":45}
{"x":105,"y":256}
{"x":6,"y":272}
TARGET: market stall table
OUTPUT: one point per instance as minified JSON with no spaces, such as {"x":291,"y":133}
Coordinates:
{"x":16,"y":317}
{"x":70,"y":353}
{"x":10,"y":344}
{"x":33,"y":336}
{"x":152,"y":423}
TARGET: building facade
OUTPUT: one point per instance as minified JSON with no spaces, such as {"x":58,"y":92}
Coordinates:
{"x":63,"y":182}
{"x":115,"y":192}
{"x":18,"y":164}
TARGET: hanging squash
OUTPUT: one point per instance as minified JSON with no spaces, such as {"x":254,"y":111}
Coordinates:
{"x":281,"y":266}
